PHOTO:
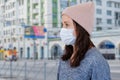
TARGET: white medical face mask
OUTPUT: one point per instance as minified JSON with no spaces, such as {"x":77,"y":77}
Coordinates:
{"x":67,"y":36}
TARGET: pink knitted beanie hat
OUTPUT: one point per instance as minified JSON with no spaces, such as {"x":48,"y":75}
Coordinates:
{"x":83,"y":14}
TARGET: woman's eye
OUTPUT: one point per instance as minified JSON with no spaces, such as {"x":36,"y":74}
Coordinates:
{"x":67,"y":25}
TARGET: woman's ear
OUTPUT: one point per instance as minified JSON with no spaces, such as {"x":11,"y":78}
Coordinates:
{"x":74,"y":25}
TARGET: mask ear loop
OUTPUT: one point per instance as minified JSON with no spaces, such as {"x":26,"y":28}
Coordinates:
{"x":74,"y":25}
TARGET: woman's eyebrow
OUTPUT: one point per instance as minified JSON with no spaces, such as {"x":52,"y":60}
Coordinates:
{"x":66,"y":21}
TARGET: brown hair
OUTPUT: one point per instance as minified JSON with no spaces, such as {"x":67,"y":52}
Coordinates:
{"x":82,"y":44}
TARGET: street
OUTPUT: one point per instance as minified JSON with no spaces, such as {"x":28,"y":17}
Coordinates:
{"x":115,"y":69}
{"x":41,"y":70}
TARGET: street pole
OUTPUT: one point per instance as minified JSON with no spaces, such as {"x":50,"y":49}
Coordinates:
{"x":4,"y":23}
{"x":17,"y":11}
{"x":24,"y":26}
{"x":24,"y":43}
{"x":47,"y":45}
{"x":2,"y":20}
{"x":68,"y":3}
{"x":34,"y":45}
{"x":11,"y":71}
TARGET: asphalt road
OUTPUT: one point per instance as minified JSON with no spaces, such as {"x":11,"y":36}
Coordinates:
{"x":41,"y":70}
{"x":115,"y":69}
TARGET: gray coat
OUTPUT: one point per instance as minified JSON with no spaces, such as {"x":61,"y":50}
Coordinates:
{"x":92,"y":67}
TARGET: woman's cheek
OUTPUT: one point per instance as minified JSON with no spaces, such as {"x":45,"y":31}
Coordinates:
{"x":74,"y":33}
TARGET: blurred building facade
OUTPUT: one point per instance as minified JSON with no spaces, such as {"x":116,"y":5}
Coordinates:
{"x":15,"y":15}
{"x":107,"y":14}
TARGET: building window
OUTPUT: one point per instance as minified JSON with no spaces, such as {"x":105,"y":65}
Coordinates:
{"x":8,"y":40}
{"x":21,"y":38}
{"x":109,"y":21}
{"x":73,"y":2}
{"x":14,"y":39}
{"x":6,"y":0}
{"x":109,"y":4}
{"x":109,"y":13}
{"x":98,"y":21}
{"x":13,"y":22}
{"x":99,"y":28}
{"x":4,"y":33}
{"x":6,"y":7}
{"x":13,"y":30}
{"x":5,"y":40}
{"x":99,"y":11}
{"x":13,"y":13}
{"x":64,"y":4}
{"x":13,"y":5}
{"x":54,"y":13}
{"x":22,"y":2}
{"x":117,"y":18}
{"x":99,"y":2}
{"x":117,"y":5}
{"x":20,"y":30}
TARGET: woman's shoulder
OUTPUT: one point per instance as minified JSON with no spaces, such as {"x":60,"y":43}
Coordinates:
{"x":98,"y":65}
{"x":94,"y":53}
{"x":96,"y":57}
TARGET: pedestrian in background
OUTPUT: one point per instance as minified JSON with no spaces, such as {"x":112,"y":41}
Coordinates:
{"x":81,"y":60}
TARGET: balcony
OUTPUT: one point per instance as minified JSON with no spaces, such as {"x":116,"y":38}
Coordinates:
{"x":35,"y":21}
{"x":36,"y":10}
{"x":35,"y":1}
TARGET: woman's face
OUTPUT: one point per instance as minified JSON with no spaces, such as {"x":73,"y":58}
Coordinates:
{"x":67,"y":23}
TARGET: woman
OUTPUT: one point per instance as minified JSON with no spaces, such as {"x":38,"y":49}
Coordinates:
{"x":81,"y":59}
